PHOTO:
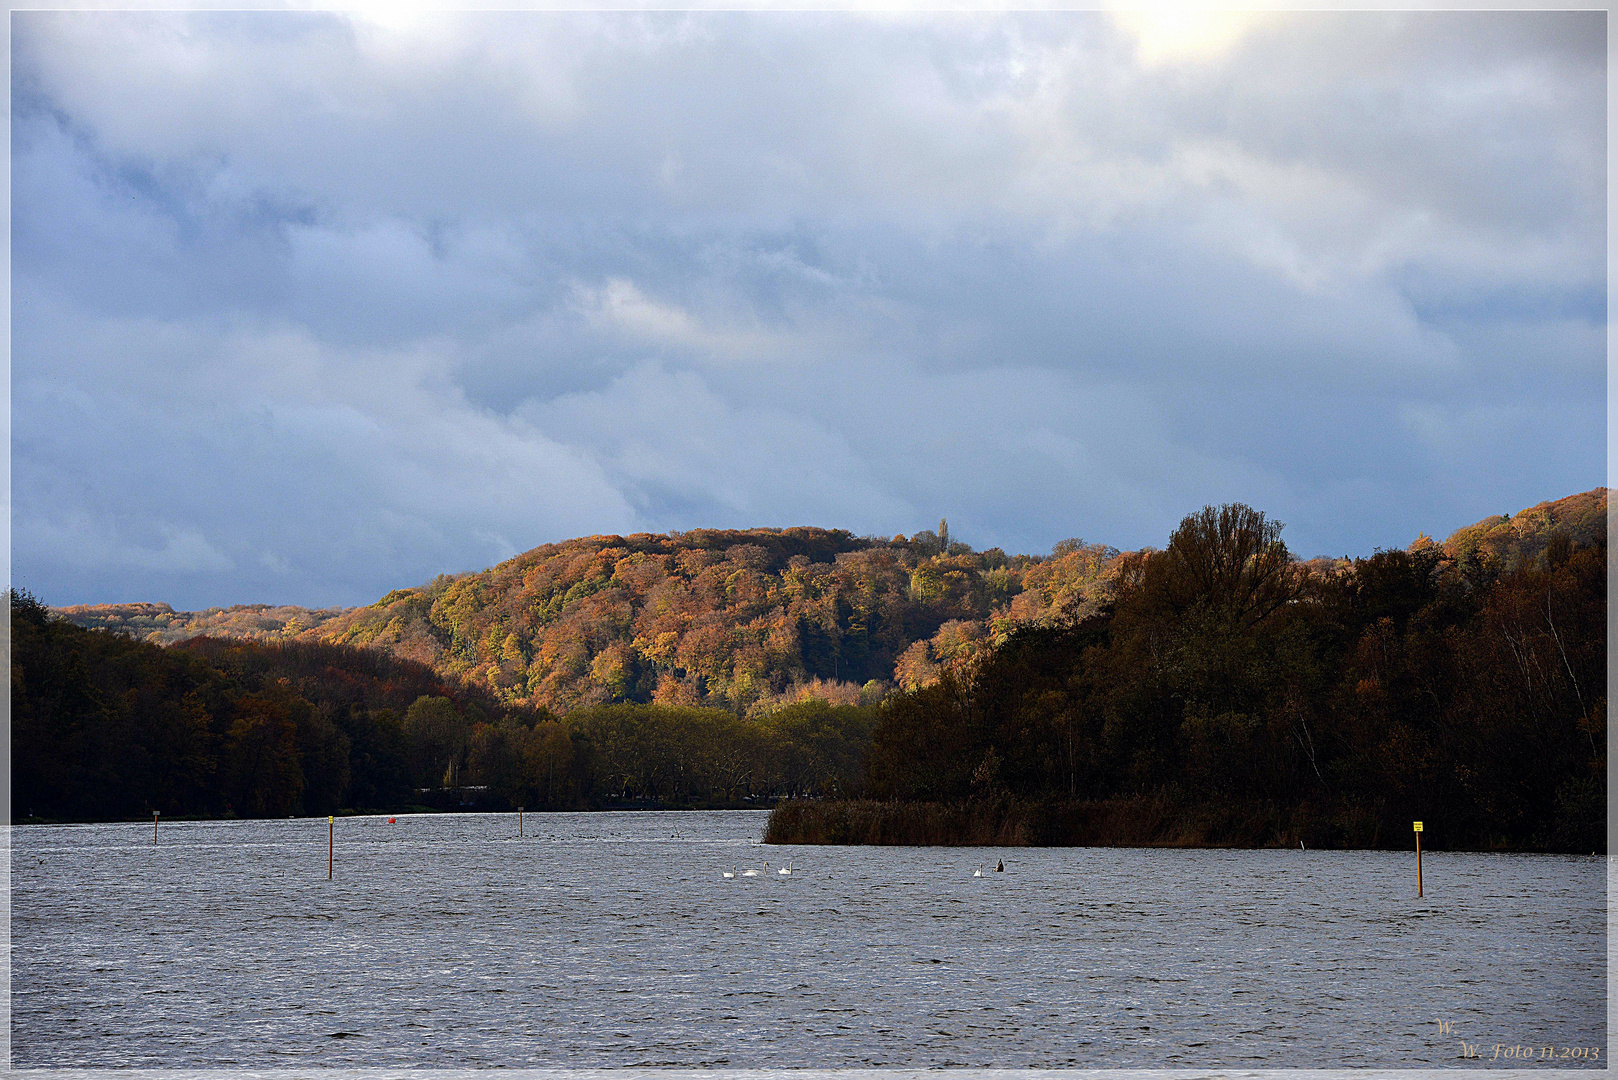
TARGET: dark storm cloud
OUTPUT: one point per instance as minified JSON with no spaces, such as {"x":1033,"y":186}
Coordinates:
{"x":309,"y":307}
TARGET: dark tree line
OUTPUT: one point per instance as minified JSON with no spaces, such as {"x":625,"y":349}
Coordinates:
{"x":1261,"y":699}
{"x":105,"y":728}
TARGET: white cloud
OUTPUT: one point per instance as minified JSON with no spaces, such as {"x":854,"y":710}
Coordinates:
{"x":1185,"y":34}
{"x":619,"y":308}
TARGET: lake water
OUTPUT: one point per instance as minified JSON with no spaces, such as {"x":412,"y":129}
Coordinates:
{"x":611,"y":940}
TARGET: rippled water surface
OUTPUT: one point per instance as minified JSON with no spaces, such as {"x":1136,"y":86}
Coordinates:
{"x":614,"y":940}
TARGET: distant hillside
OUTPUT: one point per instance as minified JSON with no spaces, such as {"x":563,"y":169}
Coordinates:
{"x":1520,"y":538}
{"x":750,"y":620}
{"x":162,"y":625}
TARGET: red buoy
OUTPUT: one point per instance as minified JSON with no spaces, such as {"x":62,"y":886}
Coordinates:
{"x":390,"y":821}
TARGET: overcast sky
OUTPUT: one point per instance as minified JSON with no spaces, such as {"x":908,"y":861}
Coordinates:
{"x":308,"y":307}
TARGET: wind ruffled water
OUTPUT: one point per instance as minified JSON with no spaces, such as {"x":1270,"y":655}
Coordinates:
{"x":615,"y":940}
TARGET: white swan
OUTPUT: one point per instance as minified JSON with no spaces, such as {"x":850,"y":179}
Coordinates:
{"x":785,"y":871}
{"x":979,"y":871}
{"x":731,"y":872}
{"x":754,"y":873}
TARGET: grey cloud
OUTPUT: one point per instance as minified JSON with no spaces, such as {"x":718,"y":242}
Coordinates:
{"x":310,"y":472}
{"x":307,"y":307}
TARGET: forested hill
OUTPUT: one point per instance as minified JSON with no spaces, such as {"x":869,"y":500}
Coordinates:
{"x":1519,"y":538}
{"x":1216,"y":691}
{"x":160,"y":624}
{"x":748,"y":620}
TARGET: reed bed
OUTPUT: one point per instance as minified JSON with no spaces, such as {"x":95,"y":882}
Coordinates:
{"x":1157,"y":820}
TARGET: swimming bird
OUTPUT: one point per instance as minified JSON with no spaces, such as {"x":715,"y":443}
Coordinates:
{"x":731,"y":872}
{"x":785,"y":871}
{"x":754,"y":873}
{"x":979,"y":871}
{"x":1000,"y":867}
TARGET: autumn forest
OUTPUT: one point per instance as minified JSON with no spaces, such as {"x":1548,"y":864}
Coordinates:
{"x":881,"y":690}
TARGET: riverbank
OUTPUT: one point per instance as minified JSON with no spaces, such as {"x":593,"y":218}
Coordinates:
{"x":1141,"y":821}
{"x":1156,"y":820}
{"x":433,"y":805}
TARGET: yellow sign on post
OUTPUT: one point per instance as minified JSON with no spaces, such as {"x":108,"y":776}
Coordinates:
{"x":1418,"y":858}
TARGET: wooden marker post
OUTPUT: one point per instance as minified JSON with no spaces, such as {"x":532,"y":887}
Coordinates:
{"x":154,"y":826}
{"x":519,"y":821}
{"x":328,"y":846}
{"x":1418,"y":858}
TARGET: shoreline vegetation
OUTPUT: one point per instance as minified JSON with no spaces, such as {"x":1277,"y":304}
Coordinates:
{"x":1217,"y":692}
{"x":444,"y":805}
{"x":1137,"y":821}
